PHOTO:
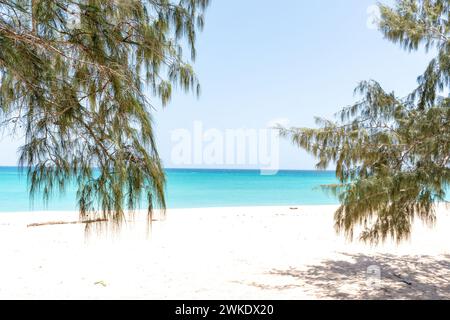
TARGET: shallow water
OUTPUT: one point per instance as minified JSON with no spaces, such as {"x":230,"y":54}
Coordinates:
{"x":187,"y":188}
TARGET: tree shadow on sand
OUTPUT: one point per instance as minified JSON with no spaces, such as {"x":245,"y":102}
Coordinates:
{"x":400,"y":277}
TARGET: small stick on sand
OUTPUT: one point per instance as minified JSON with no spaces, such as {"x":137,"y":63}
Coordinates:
{"x":64,"y":222}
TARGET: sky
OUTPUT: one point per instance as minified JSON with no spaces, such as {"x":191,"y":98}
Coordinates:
{"x":262,"y":62}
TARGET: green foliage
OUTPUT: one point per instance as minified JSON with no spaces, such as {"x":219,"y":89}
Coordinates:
{"x":73,"y":75}
{"x":392,"y":154}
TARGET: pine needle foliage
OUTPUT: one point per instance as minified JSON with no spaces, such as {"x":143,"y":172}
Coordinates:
{"x":392,"y":154}
{"x":74,"y":76}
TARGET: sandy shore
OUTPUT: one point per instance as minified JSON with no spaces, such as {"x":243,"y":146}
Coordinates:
{"x":222,"y":253}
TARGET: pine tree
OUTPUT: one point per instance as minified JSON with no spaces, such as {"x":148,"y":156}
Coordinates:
{"x":74,"y":77}
{"x":392,"y":154}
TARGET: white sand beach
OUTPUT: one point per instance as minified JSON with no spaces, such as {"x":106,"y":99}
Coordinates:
{"x":221,"y":253}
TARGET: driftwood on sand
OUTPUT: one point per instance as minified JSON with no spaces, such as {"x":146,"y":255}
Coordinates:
{"x":64,"y":222}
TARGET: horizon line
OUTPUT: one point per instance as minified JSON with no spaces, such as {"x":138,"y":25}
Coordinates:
{"x":206,"y":169}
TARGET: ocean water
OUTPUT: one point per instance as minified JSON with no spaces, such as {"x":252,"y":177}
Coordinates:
{"x":188,"y":188}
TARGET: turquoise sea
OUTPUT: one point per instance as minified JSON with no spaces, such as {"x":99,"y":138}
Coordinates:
{"x":188,"y":188}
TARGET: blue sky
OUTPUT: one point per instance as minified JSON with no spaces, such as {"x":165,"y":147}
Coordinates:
{"x":260,"y":60}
